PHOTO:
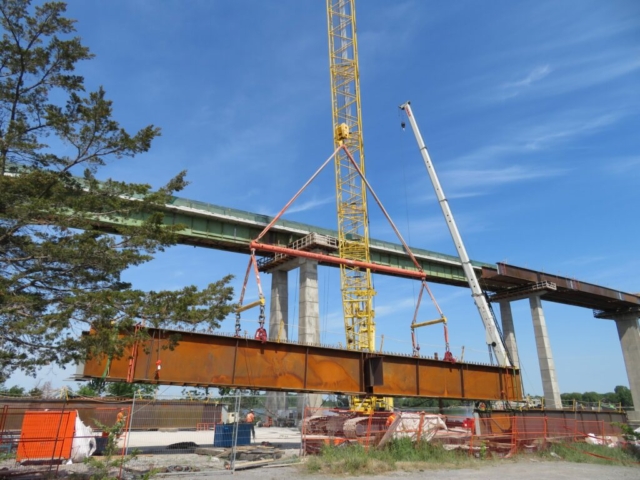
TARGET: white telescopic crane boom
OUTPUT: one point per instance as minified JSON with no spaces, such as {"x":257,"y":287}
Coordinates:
{"x":494,"y":340}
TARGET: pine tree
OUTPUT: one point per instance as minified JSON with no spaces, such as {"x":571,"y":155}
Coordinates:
{"x":60,"y":274}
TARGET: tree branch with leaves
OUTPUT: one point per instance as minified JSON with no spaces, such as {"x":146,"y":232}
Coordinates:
{"x":59,"y":274}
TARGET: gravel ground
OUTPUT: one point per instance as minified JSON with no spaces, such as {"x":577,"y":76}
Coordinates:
{"x":521,"y":470}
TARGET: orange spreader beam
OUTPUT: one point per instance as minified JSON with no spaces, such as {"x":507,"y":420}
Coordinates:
{"x":321,"y":257}
{"x":225,"y":361}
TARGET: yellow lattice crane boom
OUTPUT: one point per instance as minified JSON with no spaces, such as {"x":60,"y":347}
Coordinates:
{"x":353,"y":222}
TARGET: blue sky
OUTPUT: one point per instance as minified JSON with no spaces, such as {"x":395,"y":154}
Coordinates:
{"x":531,"y":111}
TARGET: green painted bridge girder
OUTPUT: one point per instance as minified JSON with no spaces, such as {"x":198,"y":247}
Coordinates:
{"x":230,"y":229}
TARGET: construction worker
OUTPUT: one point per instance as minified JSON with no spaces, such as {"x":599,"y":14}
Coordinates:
{"x":390,"y":419}
{"x":250,"y":419}
{"x":120,"y":422}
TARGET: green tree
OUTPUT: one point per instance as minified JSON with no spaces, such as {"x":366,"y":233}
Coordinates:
{"x":623,"y":396}
{"x":128,"y":390}
{"x":224,"y":391}
{"x":59,"y":273}
{"x":93,"y":388}
{"x":570,"y":397}
{"x":591,"y":397}
{"x":35,"y":392}
{"x":196,"y":393}
{"x":14,"y":391}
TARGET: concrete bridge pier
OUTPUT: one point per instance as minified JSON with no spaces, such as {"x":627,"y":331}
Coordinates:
{"x":629,"y":334}
{"x":278,"y":331}
{"x":508,"y":331}
{"x":534,"y":293}
{"x":545,"y":357}
{"x":308,"y":324}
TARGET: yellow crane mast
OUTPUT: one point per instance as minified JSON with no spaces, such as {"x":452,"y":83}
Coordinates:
{"x":353,"y":223}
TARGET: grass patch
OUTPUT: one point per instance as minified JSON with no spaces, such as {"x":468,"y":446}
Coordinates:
{"x":402,"y":454}
{"x":587,"y":453}
{"x":398,"y":454}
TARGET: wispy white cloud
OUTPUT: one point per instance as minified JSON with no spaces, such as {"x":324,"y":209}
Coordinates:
{"x":587,"y":29}
{"x":540,"y":136}
{"x":569,"y":75}
{"x":488,"y":167}
{"x":491,"y":177}
{"x":588,"y":72}
{"x":511,"y":89}
{"x":311,"y":204}
{"x":619,"y":166}
{"x":536,"y":74}
{"x":545,"y":136}
{"x":396,"y":308}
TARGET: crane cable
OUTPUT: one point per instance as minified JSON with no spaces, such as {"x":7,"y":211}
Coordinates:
{"x":425,"y":286}
{"x":261,"y":332}
{"x":448,"y":356}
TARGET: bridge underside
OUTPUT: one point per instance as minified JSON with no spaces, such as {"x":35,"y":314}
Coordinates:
{"x":224,"y":361}
{"x":229,"y":229}
{"x":508,"y":278}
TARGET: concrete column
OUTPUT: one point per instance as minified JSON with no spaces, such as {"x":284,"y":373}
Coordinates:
{"x":508,"y":331}
{"x":309,"y":322}
{"x":276,"y":404}
{"x":629,"y":335}
{"x":279,"y":306}
{"x":545,"y":357}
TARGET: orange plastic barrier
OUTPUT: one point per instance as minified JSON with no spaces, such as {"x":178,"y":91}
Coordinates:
{"x":46,"y":436}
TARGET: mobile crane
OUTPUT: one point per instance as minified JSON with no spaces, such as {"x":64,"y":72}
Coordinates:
{"x":493,"y":337}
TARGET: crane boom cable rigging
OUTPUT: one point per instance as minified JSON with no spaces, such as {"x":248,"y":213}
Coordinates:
{"x":419,"y":274}
{"x":493,"y":338}
{"x":298,"y":193}
{"x":425,"y":286}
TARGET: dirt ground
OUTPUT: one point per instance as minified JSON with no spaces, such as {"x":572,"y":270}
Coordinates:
{"x":528,"y":469}
{"x":521,"y":469}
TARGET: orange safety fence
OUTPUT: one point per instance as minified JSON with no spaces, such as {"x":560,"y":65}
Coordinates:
{"x":528,"y":433}
{"x":498,"y":433}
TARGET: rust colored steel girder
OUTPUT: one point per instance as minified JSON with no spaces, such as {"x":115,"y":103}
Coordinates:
{"x":225,"y":361}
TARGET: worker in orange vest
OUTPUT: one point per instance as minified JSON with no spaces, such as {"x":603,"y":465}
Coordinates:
{"x":120,"y":422}
{"x":249,"y":419}
{"x":390,"y":419}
